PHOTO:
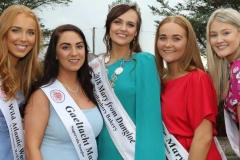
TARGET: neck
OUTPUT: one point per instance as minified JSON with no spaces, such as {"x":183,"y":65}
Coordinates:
{"x":119,"y":52}
{"x":69,"y":79}
{"x":173,"y":71}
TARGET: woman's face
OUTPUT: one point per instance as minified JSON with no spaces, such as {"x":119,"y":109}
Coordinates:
{"x":224,"y":39}
{"x":21,"y":37}
{"x":171,"y":42}
{"x":123,"y":29}
{"x":70,"y":52}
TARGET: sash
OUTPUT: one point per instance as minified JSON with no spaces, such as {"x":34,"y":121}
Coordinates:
{"x":13,"y":119}
{"x":75,"y":122}
{"x":232,"y":132}
{"x":174,"y":150}
{"x":120,"y":126}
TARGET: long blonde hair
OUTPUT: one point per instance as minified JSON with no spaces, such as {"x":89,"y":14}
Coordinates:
{"x":217,"y":66}
{"x":191,"y":59}
{"x":21,"y":77}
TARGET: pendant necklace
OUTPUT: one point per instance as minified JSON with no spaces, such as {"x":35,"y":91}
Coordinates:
{"x":117,"y":71}
{"x":74,"y":92}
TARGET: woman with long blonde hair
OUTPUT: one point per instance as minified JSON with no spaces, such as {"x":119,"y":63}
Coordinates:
{"x":20,"y":44}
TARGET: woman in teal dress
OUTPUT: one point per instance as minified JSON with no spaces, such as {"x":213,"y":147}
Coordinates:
{"x":127,"y":89}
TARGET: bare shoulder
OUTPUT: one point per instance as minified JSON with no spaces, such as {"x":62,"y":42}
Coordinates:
{"x":37,"y":99}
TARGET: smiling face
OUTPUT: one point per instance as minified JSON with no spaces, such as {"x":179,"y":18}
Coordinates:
{"x":123,"y":29}
{"x":70,"y":52}
{"x":224,"y":39}
{"x":21,"y":37}
{"x":171,"y":42}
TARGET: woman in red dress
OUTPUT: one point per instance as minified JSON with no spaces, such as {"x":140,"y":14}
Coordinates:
{"x":189,"y":104}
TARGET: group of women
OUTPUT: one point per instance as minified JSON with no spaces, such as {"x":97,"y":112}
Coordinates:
{"x":124,"y":104}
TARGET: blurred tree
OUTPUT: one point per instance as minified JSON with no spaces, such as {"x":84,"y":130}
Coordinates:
{"x":35,"y":5}
{"x":196,"y":11}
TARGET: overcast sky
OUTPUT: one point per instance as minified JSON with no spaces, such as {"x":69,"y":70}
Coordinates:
{"x":87,"y":14}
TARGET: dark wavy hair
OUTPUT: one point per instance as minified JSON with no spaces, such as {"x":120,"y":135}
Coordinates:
{"x":115,"y":13}
{"x":51,"y":65}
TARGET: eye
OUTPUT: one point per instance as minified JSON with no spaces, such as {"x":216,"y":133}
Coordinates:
{"x":31,"y":32}
{"x":130,"y":24}
{"x":226,"y":33}
{"x":15,"y":30}
{"x":80,"y":46}
{"x":117,"y":22}
{"x":176,"y":39}
{"x":213,"y":35}
{"x":65,"y":47}
{"x":162,"y":38}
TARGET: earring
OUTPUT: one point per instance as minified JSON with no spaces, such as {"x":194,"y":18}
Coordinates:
{"x":134,"y":40}
{"x":56,"y":58}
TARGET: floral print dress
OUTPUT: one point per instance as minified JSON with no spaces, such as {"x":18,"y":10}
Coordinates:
{"x":233,"y":97}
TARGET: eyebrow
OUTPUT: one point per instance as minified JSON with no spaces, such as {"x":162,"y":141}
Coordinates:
{"x":21,"y":28}
{"x":65,"y":43}
{"x":175,"y":35}
{"x":222,"y":30}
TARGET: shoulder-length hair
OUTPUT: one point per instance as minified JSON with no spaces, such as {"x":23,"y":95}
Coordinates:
{"x":115,"y":13}
{"x":21,"y":77}
{"x":217,"y":66}
{"x":51,"y":64}
{"x":191,"y":59}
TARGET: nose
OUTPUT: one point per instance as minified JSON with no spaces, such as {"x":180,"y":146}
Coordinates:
{"x":219,"y":39}
{"x":168,"y":43}
{"x":23,"y":37}
{"x":123,"y":27}
{"x":74,"y":52}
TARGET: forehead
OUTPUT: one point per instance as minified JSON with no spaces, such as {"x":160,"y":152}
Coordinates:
{"x":171,"y":28}
{"x":70,"y":37}
{"x":24,"y":21}
{"x":218,"y":26}
{"x":130,"y":15}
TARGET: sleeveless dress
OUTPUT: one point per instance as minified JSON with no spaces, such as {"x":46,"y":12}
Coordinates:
{"x":57,"y":144}
{"x":5,"y":141}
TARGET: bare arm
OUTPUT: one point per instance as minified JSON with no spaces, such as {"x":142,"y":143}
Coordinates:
{"x":36,"y":120}
{"x":202,"y":140}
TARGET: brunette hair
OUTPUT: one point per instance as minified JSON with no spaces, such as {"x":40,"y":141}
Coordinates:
{"x":51,"y":65}
{"x":115,"y":13}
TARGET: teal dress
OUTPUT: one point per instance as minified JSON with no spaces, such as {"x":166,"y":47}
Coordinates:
{"x":138,"y":90}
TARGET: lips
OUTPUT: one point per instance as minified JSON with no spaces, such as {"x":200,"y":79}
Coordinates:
{"x":74,"y":60}
{"x":122,"y":35}
{"x":21,"y":47}
{"x":222,"y":47}
{"x":167,"y":51}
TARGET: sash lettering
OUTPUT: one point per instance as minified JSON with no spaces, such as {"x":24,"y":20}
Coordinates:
{"x":120,"y":126}
{"x":13,"y":119}
{"x":74,"y":120}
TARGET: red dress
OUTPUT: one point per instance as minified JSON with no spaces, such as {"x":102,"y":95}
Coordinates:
{"x":186,"y":101}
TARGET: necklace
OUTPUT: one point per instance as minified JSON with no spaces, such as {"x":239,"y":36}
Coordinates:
{"x":74,"y":92}
{"x":117,"y":71}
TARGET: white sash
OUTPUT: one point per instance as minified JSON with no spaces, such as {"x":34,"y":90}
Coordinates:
{"x":13,"y":119}
{"x":175,"y":151}
{"x":232,"y":132}
{"x":77,"y":125}
{"x":120,"y":126}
